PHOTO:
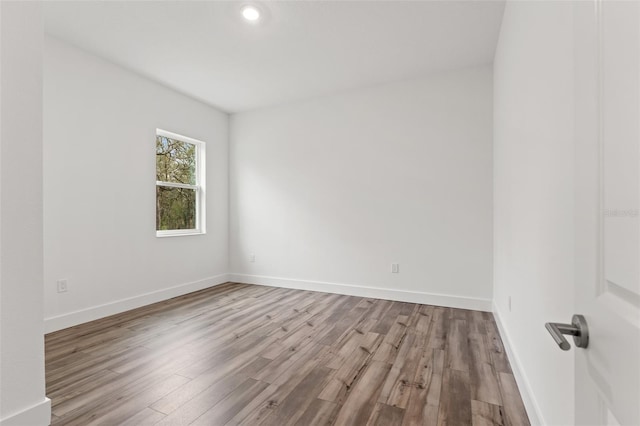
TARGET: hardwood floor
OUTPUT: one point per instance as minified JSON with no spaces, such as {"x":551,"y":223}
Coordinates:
{"x":241,"y":354}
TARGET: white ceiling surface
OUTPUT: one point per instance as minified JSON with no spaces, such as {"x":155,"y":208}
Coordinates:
{"x":301,"y":49}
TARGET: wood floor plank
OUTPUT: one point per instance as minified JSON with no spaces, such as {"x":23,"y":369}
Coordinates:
{"x":253,"y":405}
{"x":476,"y":322}
{"x":484,"y":385}
{"x":117,"y":387}
{"x":424,"y":399}
{"x":146,"y":417}
{"x":385,"y":415}
{"x":240,"y":354}
{"x":514,"y":411}
{"x":420,"y":318}
{"x":349,"y":373}
{"x":407,"y":309}
{"x":301,"y":335}
{"x":319,"y":413}
{"x":342,"y":326}
{"x":496,"y":349}
{"x":388,"y":320}
{"x":302,"y":364}
{"x":118,"y":409}
{"x":424,"y":402}
{"x":392,"y":341}
{"x":80,"y":393}
{"x":458,"y":346}
{"x":378,"y":308}
{"x":295,"y":404}
{"x":397,"y":387}
{"x":440,"y":319}
{"x":278,"y":366}
{"x":484,"y":381}
{"x":484,"y":414}
{"x":455,"y":399}
{"x":287,"y":383}
{"x":342,"y":350}
{"x":204,"y":382}
{"x":88,"y":367}
{"x":357,"y":408}
{"x":199,"y":404}
{"x":230,"y":405}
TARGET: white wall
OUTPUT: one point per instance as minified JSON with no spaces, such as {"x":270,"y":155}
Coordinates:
{"x":533,"y":192}
{"x":327,"y":193}
{"x":99,"y":190}
{"x":22,"y":386}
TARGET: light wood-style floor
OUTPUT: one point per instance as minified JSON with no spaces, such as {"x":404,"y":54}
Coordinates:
{"x":253,"y":355}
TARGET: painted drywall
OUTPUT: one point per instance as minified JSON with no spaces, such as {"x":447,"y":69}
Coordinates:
{"x":533,"y":200}
{"x":22,"y":385}
{"x":99,"y":190}
{"x":326,"y":194}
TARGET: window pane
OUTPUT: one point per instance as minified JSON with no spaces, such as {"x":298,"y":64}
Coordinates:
{"x":175,"y":161}
{"x":175,"y":208}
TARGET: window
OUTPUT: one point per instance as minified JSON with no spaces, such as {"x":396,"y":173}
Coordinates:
{"x":180,"y":177}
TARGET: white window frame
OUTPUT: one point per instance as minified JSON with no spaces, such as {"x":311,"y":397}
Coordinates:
{"x":199,"y":187}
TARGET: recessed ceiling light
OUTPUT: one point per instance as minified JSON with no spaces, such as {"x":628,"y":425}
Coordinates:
{"x":250,"y":13}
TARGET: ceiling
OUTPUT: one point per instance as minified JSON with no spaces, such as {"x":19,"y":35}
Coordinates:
{"x":300,"y":49}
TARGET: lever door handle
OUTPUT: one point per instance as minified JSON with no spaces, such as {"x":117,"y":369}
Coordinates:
{"x":578,"y":329}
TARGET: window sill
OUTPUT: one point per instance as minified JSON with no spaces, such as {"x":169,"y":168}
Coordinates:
{"x":164,"y":234}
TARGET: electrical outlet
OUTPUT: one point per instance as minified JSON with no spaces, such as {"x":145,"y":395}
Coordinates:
{"x":62,"y":286}
{"x":509,"y":302}
{"x":395,"y":268}
{"x":252,"y":258}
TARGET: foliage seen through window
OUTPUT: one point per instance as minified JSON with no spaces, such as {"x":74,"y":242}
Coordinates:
{"x":176,"y":188}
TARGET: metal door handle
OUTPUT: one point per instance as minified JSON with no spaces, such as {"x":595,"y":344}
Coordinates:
{"x":578,"y":329}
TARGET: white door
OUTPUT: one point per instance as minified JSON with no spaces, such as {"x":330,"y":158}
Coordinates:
{"x":607,"y":122}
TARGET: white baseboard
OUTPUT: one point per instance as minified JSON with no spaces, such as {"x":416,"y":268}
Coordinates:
{"x":36,"y":415}
{"x":528,"y":398}
{"x":366,"y":291}
{"x":96,"y":312}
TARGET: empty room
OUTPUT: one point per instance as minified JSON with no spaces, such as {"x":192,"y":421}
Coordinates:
{"x":320,"y":213}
